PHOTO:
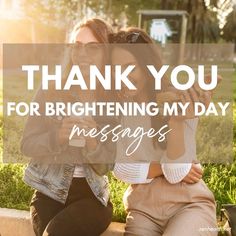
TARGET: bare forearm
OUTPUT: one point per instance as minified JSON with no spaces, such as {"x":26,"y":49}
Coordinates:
{"x":175,"y":139}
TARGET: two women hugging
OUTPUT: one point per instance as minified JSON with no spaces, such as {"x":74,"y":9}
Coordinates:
{"x":166,"y":195}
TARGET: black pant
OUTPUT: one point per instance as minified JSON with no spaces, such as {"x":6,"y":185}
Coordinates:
{"x":82,"y":214}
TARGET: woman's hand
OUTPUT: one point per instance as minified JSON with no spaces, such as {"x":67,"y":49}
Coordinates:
{"x":65,"y":129}
{"x":86,"y":123}
{"x":194,"y":175}
{"x":89,"y":123}
{"x":192,"y":96}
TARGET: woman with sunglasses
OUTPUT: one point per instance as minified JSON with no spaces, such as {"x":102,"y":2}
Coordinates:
{"x":70,"y":198}
{"x":167,"y":196}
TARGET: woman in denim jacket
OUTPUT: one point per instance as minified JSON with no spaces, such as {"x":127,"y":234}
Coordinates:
{"x":70,"y":199}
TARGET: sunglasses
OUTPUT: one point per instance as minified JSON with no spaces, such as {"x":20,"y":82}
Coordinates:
{"x":133,"y":37}
{"x":88,"y":47}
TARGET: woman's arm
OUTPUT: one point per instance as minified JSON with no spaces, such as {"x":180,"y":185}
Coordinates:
{"x":179,"y":167}
{"x":137,"y":173}
{"x":50,"y":142}
{"x":175,"y":139}
{"x":183,"y":167}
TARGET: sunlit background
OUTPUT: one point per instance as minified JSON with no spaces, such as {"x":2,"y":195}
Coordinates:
{"x":36,"y":21}
{"x":51,"y":21}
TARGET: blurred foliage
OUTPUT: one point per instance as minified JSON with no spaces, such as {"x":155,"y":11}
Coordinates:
{"x":214,"y":139}
{"x":203,"y":25}
{"x":117,"y":190}
{"x":13,"y":192}
{"x":221,"y":179}
{"x":229,"y":29}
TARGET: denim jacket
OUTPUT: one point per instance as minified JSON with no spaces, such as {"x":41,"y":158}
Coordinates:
{"x":51,"y":168}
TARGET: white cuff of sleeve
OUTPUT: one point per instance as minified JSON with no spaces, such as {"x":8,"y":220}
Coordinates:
{"x":175,"y":172}
{"x":132,"y":173}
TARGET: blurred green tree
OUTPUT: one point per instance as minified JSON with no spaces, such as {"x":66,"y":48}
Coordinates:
{"x":229,"y":30}
{"x":205,"y":16}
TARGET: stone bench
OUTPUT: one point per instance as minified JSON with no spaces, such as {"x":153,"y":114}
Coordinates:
{"x":17,"y":223}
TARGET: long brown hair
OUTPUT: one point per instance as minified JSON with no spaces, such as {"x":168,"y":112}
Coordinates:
{"x":101,"y":30}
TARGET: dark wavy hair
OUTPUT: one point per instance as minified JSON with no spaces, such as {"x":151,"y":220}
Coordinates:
{"x":144,"y":56}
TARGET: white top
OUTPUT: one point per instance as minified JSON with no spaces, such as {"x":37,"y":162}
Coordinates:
{"x":79,"y":172}
{"x":136,"y":173}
